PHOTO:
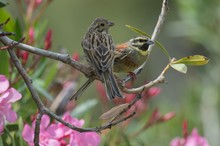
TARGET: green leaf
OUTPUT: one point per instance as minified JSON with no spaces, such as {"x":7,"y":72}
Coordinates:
{"x":41,"y":68}
{"x":179,"y":67}
{"x":4,"y":15}
{"x":50,"y":76}
{"x":20,"y":129}
{"x":38,"y":84}
{"x":4,"y":63}
{"x":138,"y":31}
{"x":85,"y":106}
{"x":1,"y":140}
{"x":164,"y":50}
{"x":12,"y":127}
{"x":3,"y":3}
{"x":40,"y":31}
{"x":18,"y":30}
{"x":195,"y":60}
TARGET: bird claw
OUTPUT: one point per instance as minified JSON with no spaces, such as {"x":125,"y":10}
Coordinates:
{"x":133,"y":76}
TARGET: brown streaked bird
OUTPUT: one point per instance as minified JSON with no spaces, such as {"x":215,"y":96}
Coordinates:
{"x":131,"y":55}
{"x":99,"y":51}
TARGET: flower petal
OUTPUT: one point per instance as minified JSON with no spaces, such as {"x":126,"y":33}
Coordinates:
{"x":68,"y":118}
{"x":4,"y":97}
{"x":45,"y":121}
{"x":53,"y":142}
{"x":177,"y":142}
{"x":11,"y":116}
{"x":4,"y":83}
{"x":14,"y":95}
{"x":28,"y":134}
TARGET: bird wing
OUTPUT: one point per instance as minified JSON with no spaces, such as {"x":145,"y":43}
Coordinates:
{"x":121,"y":52}
{"x":100,"y":56}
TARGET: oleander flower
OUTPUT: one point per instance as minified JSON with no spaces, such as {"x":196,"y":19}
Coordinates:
{"x":48,"y":40}
{"x":7,"y":96}
{"x":192,"y":140}
{"x":56,"y":134}
{"x":48,"y":136}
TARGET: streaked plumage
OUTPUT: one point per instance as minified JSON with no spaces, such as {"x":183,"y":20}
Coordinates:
{"x":132,"y":54}
{"x":99,"y":51}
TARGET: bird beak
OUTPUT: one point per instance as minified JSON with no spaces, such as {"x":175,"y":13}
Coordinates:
{"x":110,"y":24}
{"x":150,"y":42}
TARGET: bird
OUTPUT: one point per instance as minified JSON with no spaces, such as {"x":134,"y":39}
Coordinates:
{"x":131,"y":54}
{"x":99,"y":50}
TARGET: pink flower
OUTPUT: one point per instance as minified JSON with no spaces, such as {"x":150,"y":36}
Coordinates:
{"x":192,"y":140}
{"x":77,"y":138}
{"x":31,"y":36}
{"x":48,"y":40}
{"x":24,"y":56}
{"x":47,"y":134}
{"x":7,"y":96}
{"x":57,"y":134}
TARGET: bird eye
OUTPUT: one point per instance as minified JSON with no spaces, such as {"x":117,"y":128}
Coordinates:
{"x":102,"y":24}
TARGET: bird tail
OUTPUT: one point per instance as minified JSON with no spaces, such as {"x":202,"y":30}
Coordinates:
{"x":111,"y":85}
{"x":80,"y":91}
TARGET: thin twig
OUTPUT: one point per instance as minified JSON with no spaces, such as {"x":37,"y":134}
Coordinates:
{"x":4,"y":23}
{"x":65,"y":58}
{"x":37,"y":129}
{"x":113,"y":123}
{"x":160,"y":22}
{"x":138,"y":96}
{"x":93,"y":129}
{"x":26,"y":78}
{"x":80,"y":91}
{"x":159,"y":79}
{"x":6,"y":34}
{"x":13,"y":44}
{"x":44,"y":110}
{"x":148,"y":125}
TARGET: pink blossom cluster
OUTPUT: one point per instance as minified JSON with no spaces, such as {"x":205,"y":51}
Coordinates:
{"x":192,"y":140}
{"x":56,"y":134}
{"x":7,"y":96}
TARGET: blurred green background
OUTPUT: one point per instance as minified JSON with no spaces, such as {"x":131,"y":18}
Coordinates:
{"x":191,"y":27}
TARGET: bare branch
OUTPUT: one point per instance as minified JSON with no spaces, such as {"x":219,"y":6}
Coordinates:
{"x":6,"y":34}
{"x":37,"y":129}
{"x":159,"y":79}
{"x":26,"y":79}
{"x":65,"y":58}
{"x":3,"y":24}
{"x":138,"y":97}
{"x":113,"y":123}
{"x":12,"y":44}
{"x":160,"y":22}
{"x":44,"y":110}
